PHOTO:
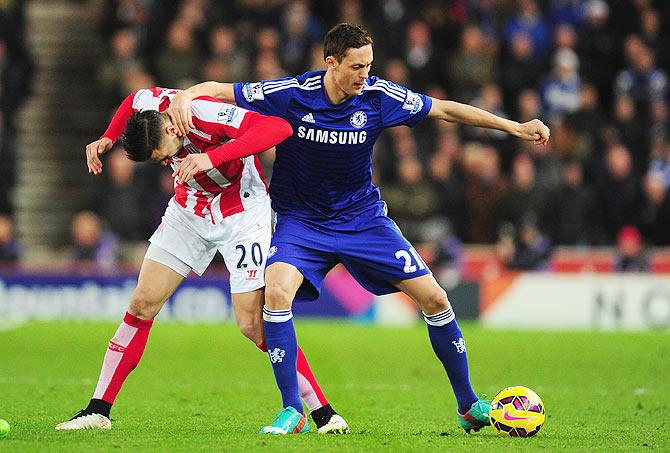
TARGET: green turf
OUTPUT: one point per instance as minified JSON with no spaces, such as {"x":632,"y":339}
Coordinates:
{"x":204,"y":388}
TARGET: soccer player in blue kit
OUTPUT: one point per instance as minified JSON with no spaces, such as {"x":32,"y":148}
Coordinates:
{"x":329,"y":212}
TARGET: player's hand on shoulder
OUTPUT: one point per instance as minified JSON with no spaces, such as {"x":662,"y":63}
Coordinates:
{"x":93,"y":152}
{"x":534,"y":130}
{"x":179,"y":112}
{"x":192,"y":164}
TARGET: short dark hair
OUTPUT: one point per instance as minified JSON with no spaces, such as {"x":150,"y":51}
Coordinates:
{"x":342,"y":37}
{"x":143,"y":134}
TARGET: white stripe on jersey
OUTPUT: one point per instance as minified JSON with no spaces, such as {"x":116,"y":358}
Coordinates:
{"x":274,"y":83}
{"x":385,"y":90}
{"x":391,"y":87}
{"x":296,"y":85}
{"x":218,"y":112}
{"x":193,"y":184}
{"x":218,"y":178}
{"x":202,"y":134}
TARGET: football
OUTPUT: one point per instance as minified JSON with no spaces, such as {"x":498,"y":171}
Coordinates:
{"x":517,"y":412}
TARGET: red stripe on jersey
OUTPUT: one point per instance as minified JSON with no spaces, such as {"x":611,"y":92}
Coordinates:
{"x":180,"y":195}
{"x":231,"y":201}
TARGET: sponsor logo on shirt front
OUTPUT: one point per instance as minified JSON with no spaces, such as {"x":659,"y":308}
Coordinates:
{"x":332,"y":137}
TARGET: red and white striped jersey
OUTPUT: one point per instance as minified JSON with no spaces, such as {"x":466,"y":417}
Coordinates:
{"x":229,"y":187}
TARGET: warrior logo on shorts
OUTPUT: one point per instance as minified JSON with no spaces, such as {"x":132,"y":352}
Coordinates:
{"x":272,"y":251}
{"x":358,"y":119}
{"x":276,"y":355}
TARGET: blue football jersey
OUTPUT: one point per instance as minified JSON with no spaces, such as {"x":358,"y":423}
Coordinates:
{"x":324,"y":170}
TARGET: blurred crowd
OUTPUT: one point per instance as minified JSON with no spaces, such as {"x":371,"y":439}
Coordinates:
{"x":595,"y":71}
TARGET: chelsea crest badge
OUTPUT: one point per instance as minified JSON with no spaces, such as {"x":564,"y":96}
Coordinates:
{"x":358,"y":119}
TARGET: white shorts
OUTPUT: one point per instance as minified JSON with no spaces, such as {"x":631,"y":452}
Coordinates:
{"x":243,"y":240}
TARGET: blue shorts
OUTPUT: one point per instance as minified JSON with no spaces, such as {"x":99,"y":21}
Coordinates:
{"x":371,"y":247}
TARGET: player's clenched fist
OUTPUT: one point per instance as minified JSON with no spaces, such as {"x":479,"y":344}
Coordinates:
{"x":179,"y":112}
{"x":93,"y":152}
{"x":192,"y":164}
{"x":534,"y":130}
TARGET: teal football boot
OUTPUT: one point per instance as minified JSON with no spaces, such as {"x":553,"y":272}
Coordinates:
{"x":288,"y":421}
{"x":477,"y":416}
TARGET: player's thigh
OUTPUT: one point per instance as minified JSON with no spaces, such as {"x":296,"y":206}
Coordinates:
{"x":426,"y":292}
{"x":155,"y":284}
{"x":244,"y":245}
{"x":248,"y":309}
{"x":186,"y":237}
{"x":379,"y":256}
{"x":299,"y":259}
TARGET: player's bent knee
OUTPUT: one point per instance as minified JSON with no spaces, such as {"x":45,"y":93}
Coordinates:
{"x":277,"y":297}
{"x":251,"y":329}
{"x":143,"y":305}
{"x":436,"y":302}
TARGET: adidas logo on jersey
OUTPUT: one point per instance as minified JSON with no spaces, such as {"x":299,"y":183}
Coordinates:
{"x":309,"y":118}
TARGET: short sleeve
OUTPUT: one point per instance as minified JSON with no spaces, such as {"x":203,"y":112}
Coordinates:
{"x":269,"y":97}
{"x":400,"y":105}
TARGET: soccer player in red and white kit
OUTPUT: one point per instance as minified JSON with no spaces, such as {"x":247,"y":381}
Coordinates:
{"x":220,"y":203}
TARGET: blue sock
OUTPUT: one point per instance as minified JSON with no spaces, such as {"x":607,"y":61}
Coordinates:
{"x":449,"y":346}
{"x":283,"y":352}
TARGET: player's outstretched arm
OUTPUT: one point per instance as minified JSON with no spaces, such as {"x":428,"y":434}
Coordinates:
{"x":256,"y":134}
{"x":534,"y":130}
{"x":179,"y":110}
{"x":118,"y":122}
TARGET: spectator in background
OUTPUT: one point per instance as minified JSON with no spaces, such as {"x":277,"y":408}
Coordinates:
{"x":225,"y":49}
{"x":124,"y":57}
{"x":572,"y":209}
{"x":472,"y":66}
{"x":448,"y":185}
{"x":529,"y":21}
{"x":642,"y":80}
{"x":412,"y":199}
{"x":618,"y":190}
{"x":598,"y":49}
{"x":10,"y":250}
{"x":178,"y":63}
{"x":631,"y":129}
{"x":654,"y":35}
{"x":300,"y":29}
{"x":422,"y":57}
{"x":522,"y":196}
{"x":589,"y":121}
{"x":119,"y":203}
{"x":520,"y":70}
{"x":631,"y":256}
{"x":655,"y":215}
{"x":484,"y":188}
{"x":90,"y":243}
{"x":527,"y":249}
{"x":568,"y":12}
{"x":561,"y":90}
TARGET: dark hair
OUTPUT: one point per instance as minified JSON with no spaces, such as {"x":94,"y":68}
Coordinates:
{"x":342,"y":37}
{"x":143,"y":134}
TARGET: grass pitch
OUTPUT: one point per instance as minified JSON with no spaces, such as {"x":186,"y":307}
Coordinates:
{"x":205,"y":388}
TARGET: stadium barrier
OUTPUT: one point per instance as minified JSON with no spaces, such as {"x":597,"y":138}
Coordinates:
{"x":516,"y":301}
{"x":87,"y":295}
